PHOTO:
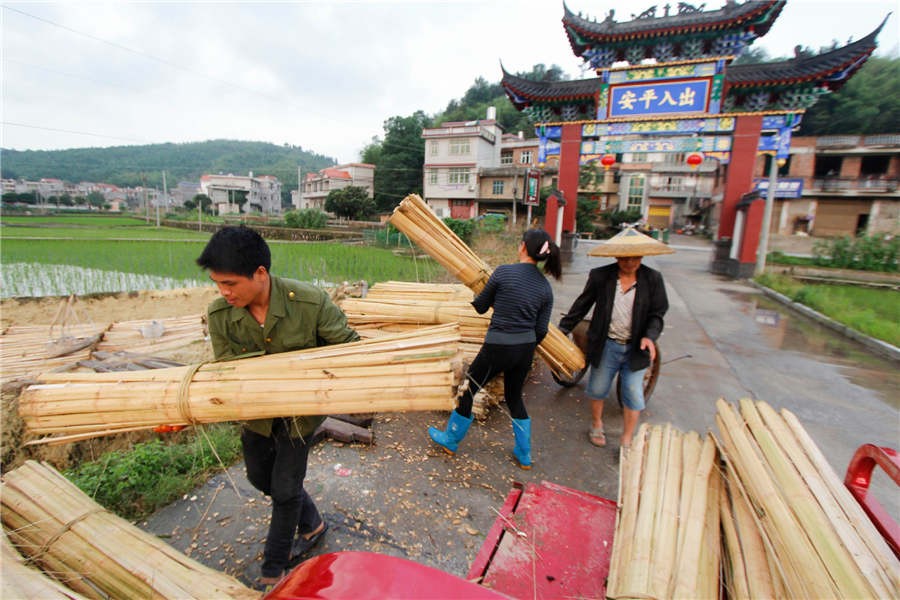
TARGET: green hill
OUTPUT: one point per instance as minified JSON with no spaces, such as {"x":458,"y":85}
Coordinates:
{"x":143,"y":165}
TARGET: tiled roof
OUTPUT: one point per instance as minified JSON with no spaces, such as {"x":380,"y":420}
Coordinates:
{"x":833,"y":67}
{"x":523,"y":92}
{"x":760,"y":14}
{"x":335,"y":174}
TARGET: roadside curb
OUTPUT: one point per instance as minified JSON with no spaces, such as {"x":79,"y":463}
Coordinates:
{"x":882,"y":348}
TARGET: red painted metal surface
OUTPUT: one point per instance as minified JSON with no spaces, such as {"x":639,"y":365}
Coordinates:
{"x":858,"y":479}
{"x":366,"y":575}
{"x":556,"y":543}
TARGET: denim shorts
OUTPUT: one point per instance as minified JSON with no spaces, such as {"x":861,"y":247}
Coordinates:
{"x":615,"y":361}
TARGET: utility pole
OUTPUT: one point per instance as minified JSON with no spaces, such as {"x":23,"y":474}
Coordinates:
{"x":165,"y":198}
{"x":144,"y":192}
{"x":767,"y":217}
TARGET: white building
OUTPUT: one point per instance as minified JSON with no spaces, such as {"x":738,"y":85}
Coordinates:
{"x":235,"y":193}
{"x":314,"y":188}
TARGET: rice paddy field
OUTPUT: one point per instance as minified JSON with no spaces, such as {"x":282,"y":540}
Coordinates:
{"x":84,"y":254}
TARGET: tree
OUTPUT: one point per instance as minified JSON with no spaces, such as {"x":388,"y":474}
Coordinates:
{"x":371,"y":154}
{"x":96,"y":199}
{"x":398,"y":171}
{"x":351,"y":202}
{"x":204,"y":201}
{"x":867,"y":104}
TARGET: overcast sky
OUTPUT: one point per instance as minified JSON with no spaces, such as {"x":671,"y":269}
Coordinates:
{"x":323,"y":75}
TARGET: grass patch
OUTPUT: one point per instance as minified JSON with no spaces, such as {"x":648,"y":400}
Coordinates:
{"x":134,"y":483}
{"x":874,"y":312}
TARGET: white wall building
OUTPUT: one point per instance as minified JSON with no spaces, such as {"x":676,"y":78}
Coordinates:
{"x":314,"y":187}
{"x":232,"y":194}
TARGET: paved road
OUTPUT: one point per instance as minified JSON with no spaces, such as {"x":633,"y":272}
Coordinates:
{"x":403,"y":497}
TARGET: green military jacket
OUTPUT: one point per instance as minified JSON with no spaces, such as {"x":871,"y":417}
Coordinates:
{"x":300,"y":316}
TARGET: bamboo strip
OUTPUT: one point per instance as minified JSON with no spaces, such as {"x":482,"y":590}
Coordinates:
{"x":806,"y":575}
{"x":889,"y":567}
{"x":665,"y":537}
{"x":637,"y":581}
{"x":100,"y":555}
{"x":686,"y":582}
{"x":838,"y":563}
{"x":735,"y":571}
{"x":415,"y":219}
{"x":21,"y":581}
{"x":630,"y":467}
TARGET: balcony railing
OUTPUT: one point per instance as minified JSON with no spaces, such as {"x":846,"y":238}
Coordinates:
{"x":876,"y":183}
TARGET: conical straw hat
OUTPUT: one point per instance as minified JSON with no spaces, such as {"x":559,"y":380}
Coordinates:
{"x":630,"y":242}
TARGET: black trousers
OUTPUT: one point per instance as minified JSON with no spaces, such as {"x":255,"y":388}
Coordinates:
{"x":276,"y":466}
{"x":513,"y":361}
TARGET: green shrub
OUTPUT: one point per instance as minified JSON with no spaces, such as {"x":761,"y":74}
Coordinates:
{"x":133,"y":483}
{"x":616,"y":217}
{"x":867,"y":253}
{"x":306,"y":218}
{"x":464,"y":228}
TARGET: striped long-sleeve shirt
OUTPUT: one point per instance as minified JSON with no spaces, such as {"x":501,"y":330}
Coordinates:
{"x":522,"y":300}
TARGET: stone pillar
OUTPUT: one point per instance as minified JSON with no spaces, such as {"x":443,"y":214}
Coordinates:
{"x":569,"y":156}
{"x":739,"y":180}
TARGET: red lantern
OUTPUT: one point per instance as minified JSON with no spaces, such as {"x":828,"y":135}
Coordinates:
{"x":694,"y":159}
{"x":608,"y":160}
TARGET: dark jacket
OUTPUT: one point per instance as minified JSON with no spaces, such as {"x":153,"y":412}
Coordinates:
{"x":650,"y":305}
{"x":300,"y":316}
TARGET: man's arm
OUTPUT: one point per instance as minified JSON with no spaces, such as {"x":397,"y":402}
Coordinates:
{"x":580,"y":307}
{"x":332,"y":325}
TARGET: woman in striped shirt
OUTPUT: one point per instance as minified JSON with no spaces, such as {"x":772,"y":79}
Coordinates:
{"x":522,"y":300}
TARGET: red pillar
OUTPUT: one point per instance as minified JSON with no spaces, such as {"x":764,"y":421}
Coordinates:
{"x":569,"y":156}
{"x":740,"y":170}
{"x":752,"y":230}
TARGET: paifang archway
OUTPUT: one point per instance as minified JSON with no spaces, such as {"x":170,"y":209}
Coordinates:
{"x":666,"y":84}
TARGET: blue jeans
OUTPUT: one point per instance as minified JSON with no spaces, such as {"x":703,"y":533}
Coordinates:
{"x":276,"y":466}
{"x":615,"y":362}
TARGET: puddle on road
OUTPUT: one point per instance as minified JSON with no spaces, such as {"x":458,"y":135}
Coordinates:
{"x":785,"y":329}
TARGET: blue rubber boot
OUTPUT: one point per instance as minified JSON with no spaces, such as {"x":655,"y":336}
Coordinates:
{"x":522,"y":451}
{"x":449,"y":440}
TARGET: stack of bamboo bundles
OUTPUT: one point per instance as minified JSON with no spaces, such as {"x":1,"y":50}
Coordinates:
{"x":798,"y":532}
{"x":378,"y":312}
{"x":26,"y":350}
{"x":667,"y":542}
{"x":154,"y":336}
{"x":21,"y":581}
{"x":401,"y":290}
{"x":94,"y":552}
{"x":413,"y":217}
{"x":418,"y":370}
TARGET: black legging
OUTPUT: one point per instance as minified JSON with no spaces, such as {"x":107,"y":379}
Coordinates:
{"x":513,"y":361}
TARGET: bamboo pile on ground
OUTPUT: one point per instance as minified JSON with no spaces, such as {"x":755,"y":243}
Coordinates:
{"x":402,"y":290}
{"x":95,"y":552}
{"x":154,"y":336}
{"x":818,"y":541}
{"x":666,"y":542}
{"x":369,"y":312}
{"x":418,"y":370}
{"x":26,"y":350}
{"x":413,"y":217}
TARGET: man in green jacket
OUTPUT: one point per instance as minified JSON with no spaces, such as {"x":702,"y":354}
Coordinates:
{"x":257,"y":314}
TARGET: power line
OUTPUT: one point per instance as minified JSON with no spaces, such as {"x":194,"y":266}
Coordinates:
{"x":100,"y":135}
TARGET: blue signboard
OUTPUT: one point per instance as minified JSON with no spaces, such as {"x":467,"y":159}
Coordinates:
{"x":647,"y":99}
{"x":785,"y":188}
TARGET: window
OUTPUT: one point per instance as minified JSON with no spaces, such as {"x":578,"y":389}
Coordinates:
{"x":506,"y":157}
{"x":635,"y":192}
{"x":525,"y":157}
{"x":432,"y":176}
{"x":459,"y":147}
{"x":498,"y":187}
{"x":434,"y":147}
{"x":458,"y":175}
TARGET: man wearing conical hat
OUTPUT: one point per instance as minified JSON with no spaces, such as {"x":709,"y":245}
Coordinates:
{"x":629,"y":302}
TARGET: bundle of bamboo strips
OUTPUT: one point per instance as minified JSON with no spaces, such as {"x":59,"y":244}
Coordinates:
{"x":821,"y":544}
{"x":401,"y":290}
{"x":666,"y":542}
{"x":413,"y":217}
{"x":95,"y":552}
{"x":419,"y":370}
{"x":413,"y":311}
{"x":21,"y":581}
